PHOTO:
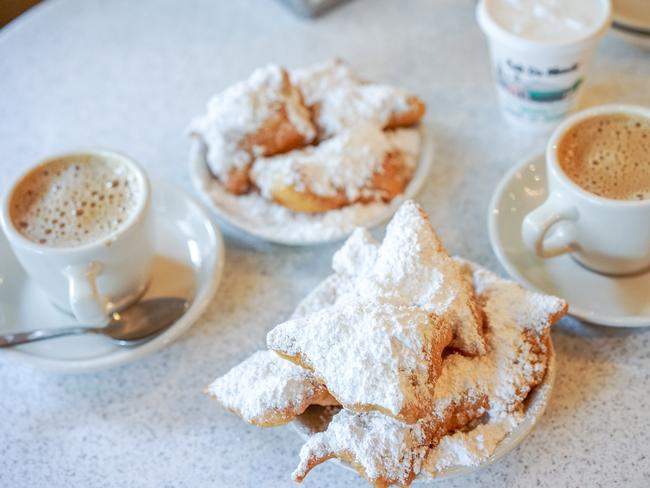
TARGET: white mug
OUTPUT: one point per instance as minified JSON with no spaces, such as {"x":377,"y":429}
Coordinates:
{"x":94,"y":279}
{"x":609,"y":236}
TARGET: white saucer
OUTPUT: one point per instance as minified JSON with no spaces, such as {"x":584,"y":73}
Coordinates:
{"x":596,"y":298}
{"x":632,"y":35}
{"x":188,"y":263}
{"x":269,"y":221}
{"x":632,"y":22}
{"x":316,"y":418}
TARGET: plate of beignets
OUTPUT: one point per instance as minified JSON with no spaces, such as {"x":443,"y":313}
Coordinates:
{"x":305,"y":156}
{"x":404,"y":364}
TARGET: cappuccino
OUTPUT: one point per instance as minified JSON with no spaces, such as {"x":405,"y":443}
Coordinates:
{"x":74,"y":200}
{"x":609,"y":156}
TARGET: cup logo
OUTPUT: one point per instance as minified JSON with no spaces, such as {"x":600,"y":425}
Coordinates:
{"x":535,"y":91}
{"x":542,"y":85}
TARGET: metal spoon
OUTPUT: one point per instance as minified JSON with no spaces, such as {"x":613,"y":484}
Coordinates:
{"x":130,"y":327}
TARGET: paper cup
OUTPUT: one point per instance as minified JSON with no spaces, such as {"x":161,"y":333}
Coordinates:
{"x":539,"y":82}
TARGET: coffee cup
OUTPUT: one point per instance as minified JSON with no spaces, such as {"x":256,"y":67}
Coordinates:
{"x":80,"y":226}
{"x":598,"y":204}
{"x":541,"y":52}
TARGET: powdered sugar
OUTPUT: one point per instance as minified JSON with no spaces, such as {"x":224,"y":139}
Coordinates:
{"x":346,"y":162}
{"x":516,"y":361}
{"x":513,"y":361}
{"x":317,"y":80}
{"x":271,"y":221}
{"x":358,"y":254}
{"x":264,"y":388}
{"x":348,"y":106}
{"x":347,"y":167}
{"x":404,"y":270}
{"x":242,"y":109}
{"x":413,"y":267}
{"x":260,"y":217}
{"x":522,"y":306}
{"x":368,"y":350}
{"x":383,"y":447}
{"x":408,"y":142}
{"x":345,"y":107}
{"x":519,"y":321}
{"x":394,"y":374}
{"x":461,"y":378}
{"x":467,"y":448}
{"x":342,"y":100}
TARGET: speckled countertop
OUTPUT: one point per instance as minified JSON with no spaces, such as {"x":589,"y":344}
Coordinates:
{"x":129,"y":75}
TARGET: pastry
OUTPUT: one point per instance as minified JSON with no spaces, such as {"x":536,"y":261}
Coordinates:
{"x":371,"y":355}
{"x":339,"y":99}
{"x":317,"y":80}
{"x":385,"y":336}
{"x":386,"y":451}
{"x":413,"y":267}
{"x":266,"y":390}
{"x":261,"y":116}
{"x":335,"y":150}
{"x":357,"y":255}
{"x":382,"y":449}
{"x":361,"y":164}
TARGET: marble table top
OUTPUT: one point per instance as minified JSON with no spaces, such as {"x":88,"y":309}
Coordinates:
{"x":129,"y":75}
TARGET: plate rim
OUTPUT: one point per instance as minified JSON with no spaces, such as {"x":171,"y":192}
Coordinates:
{"x":425,"y":162}
{"x":498,"y":249}
{"x":201,"y":301}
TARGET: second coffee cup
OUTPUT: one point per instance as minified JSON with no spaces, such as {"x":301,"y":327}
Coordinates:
{"x":598,"y":205}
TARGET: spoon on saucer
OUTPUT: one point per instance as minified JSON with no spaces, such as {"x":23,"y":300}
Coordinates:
{"x":131,"y":327}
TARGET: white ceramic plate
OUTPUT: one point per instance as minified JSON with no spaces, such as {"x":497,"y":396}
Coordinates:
{"x":188,"y":263}
{"x":265,"y":220}
{"x":593,"y":297}
{"x":316,"y":418}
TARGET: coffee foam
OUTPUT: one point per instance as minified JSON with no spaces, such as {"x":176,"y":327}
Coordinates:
{"x":609,"y":155}
{"x":74,"y":200}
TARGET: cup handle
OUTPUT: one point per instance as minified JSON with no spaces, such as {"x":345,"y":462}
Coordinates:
{"x":87,"y":304}
{"x":537,"y":224}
